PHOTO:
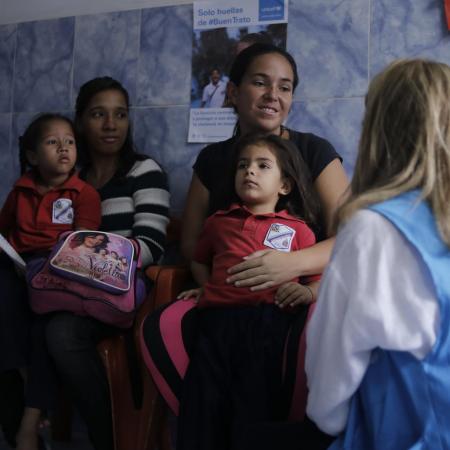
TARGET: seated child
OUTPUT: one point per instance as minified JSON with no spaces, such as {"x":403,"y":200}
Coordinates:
{"x":46,"y":200}
{"x":235,"y":377}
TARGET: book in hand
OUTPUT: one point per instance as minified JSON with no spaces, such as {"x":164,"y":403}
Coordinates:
{"x":11,"y":252}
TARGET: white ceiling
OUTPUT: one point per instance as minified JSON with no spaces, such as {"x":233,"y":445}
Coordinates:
{"x":15,"y":11}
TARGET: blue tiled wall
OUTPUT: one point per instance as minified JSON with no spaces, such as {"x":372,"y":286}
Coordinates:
{"x":338,"y":44}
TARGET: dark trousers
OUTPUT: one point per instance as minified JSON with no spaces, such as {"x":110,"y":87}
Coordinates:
{"x":72,"y":342}
{"x":22,"y":345}
{"x":11,"y":404}
{"x":15,"y":317}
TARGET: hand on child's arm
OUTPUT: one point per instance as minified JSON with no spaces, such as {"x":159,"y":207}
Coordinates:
{"x":293,"y":294}
{"x":196,"y":293}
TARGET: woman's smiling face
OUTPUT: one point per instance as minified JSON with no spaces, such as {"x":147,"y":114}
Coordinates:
{"x":264,"y":96}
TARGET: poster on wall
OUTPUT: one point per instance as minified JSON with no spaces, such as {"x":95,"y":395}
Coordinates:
{"x":221,"y":30}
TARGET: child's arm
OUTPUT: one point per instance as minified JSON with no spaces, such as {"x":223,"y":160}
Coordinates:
{"x":293,"y":294}
{"x":201,"y":273}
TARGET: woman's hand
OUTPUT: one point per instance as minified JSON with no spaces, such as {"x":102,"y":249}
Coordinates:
{"x":264,"y":269}
{"x":191,"y":293}
{"x":293,"y":294}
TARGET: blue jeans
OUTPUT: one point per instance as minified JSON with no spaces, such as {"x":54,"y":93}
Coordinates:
{"x":72,"y":342}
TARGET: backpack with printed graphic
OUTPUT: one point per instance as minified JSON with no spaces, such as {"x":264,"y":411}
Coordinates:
{"x":89,"y":273}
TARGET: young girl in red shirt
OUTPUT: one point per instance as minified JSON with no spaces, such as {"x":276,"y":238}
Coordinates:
{"x":45,"y":201}
{"x":236,"y":380}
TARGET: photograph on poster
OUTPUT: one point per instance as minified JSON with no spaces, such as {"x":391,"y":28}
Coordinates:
{"x":213,"y":53}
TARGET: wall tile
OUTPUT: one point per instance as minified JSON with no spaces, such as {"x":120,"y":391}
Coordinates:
{"x":403,"y":29}
{"x":107,"y":44}
{"x":7,"y":169}
{"x":43,"y":67}
{"x":165,"y":60}
{"x":156,"y":136}
{"x":8,"y":35}
{"x":329,"y":41}
{"x":338,"y":121}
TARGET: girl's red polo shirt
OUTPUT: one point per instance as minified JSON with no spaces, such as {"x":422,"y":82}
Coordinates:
{"x":32,"y":221}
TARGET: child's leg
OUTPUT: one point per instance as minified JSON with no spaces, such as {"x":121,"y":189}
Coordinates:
{"x":263,"y":398}
{"x":14,"y":338}
{"x":11,"y":404}
{"x":234,"y":378}
{"x":27,"y":437}
{"x":205,"y":407}
{"x":14,"y":317}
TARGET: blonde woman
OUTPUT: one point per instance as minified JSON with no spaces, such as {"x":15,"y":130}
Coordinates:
{"x":378,"y":359}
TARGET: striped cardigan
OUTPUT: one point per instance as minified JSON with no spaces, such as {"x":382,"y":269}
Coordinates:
{"x":138,"y":206}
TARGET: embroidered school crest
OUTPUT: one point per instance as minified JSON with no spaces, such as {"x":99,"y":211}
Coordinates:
{"x":62,"y":211}
{"x":279,"y":237}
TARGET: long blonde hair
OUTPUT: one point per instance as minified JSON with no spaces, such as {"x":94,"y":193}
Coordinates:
{"x":405,"y":140}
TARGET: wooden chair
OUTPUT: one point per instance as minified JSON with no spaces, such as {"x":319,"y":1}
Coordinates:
{"x":145,"y":428}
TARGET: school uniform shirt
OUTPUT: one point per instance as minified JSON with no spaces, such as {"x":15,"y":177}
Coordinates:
{"x":230,"y":235}
{"x":375,"y":293}
{"x":32,"y":221}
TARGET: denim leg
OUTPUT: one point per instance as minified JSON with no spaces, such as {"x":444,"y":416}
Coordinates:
{"x":72,"y":344}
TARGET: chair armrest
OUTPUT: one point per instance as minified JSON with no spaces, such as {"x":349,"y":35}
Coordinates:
{"x":168,"y":282}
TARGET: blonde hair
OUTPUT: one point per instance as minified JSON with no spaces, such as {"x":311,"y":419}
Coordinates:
{"x":405,"y":140}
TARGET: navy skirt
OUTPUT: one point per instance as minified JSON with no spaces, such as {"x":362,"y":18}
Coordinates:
{"x":236,"y":380}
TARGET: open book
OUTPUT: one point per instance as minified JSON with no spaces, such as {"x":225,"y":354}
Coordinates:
{"x":11,"y":252}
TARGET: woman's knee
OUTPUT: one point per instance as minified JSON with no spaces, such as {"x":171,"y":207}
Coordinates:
{"x":67,"y":332}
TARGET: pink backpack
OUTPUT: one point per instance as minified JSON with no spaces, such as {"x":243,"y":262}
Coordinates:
{"x":89,"y":273}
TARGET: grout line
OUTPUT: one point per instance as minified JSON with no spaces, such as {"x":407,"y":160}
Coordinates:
{"x":369,"y":28}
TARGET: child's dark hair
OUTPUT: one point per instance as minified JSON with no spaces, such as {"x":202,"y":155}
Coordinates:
{"x":128,"y":154}
{"x":302,"y":200}
{"x":33,"y":134}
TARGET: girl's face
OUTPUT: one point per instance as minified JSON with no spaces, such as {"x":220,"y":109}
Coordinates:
{"x":56,"y":152}
{"x":105,"y":123}
{"x":264,"y":96}
{"x":93,"y":241}
{"x":259,"y":181}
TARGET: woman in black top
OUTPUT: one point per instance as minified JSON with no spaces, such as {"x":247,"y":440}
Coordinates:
{"x":262,"y":82}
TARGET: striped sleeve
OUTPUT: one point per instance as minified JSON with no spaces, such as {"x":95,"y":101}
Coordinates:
{"x":139,"y":208}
